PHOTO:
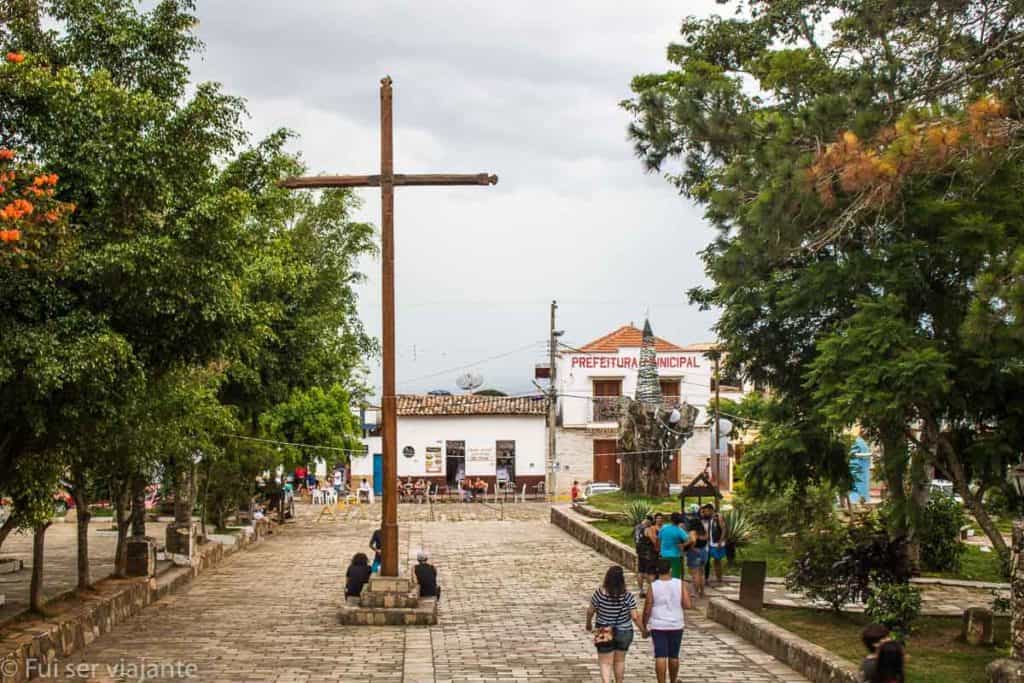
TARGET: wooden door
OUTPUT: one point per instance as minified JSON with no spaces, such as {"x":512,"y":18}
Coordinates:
{"x":605,"y":466}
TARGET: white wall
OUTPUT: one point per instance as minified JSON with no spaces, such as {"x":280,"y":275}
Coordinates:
{"x":480,"y":432}
{"x":576,"y":372}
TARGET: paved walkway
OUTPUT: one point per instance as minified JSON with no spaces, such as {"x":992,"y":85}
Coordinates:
{"x":514,"y":597}
{"x":60,"y":564}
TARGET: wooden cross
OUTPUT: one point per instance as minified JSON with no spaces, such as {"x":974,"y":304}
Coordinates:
{"x":386,"y":181}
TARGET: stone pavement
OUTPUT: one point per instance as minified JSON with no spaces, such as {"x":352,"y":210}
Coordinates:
{"x":514,"y":595}
{"x":60,"y":562}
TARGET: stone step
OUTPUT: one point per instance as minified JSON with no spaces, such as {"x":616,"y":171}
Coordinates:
{"x":388,"y":599}
{"x":424,"y":614}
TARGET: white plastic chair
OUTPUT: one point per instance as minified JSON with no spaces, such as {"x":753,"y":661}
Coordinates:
{"x":318,"y":497}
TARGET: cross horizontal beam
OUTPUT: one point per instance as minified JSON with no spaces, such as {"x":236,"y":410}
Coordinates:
{"x":407,"y":179}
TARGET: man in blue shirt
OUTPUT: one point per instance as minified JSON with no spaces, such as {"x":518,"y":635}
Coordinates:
{"x":673,"y":541}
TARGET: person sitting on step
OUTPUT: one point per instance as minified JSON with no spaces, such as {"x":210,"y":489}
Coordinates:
{"x":426,"y":576}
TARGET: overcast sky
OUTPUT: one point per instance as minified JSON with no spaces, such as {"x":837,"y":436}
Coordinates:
{"x":526,"y":90}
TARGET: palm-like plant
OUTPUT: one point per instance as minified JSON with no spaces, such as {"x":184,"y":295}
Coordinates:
{"x":637,"y":510}
{"x":738,"y":528}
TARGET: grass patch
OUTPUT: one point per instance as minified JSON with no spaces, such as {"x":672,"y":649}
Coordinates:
{"x":620,"y":531}
{"x":936,"y":653}
{"x":975,"y":566}
{"x":778,"y":555}
{"x":617,"y":501}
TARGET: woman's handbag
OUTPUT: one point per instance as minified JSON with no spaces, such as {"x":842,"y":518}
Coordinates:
{"x":602,"y":635}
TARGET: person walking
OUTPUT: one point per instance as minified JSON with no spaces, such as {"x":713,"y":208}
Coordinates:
{"x":616,"y":611}
{"x":646,"y":552}
{"x":718,"y":535}
{"x":663,"y":618}
{"x":697,"y":553}
{"x":672,"y":542}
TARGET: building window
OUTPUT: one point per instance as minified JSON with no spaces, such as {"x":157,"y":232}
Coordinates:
{"x":505,"y":462}
{"x":605,"y":404}
{"x":455,"y":462}
{"x":670,"y":392}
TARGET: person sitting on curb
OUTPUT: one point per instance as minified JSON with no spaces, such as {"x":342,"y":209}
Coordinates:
{"x":357,"y":576}
{"x":426,"y":577}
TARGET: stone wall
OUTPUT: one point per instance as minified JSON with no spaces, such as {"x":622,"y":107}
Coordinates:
{"x":583,"y":532}
{"x":813,"y":661}
{"x":81,"y":619}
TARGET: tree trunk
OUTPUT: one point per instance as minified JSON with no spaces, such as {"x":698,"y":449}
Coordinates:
{"x":7,"y":527}
{"x":138,"y":507}
{"x":122,"y":505}
{"x":902,"y":521}
{"x":919,"y":491}
{"x":35,"y":592}
{"x":82,"y":504}
{"x":947,"y":455}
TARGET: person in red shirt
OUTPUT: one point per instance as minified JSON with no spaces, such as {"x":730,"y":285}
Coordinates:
{"x":575,"y":491}
{"x":300,"y":477}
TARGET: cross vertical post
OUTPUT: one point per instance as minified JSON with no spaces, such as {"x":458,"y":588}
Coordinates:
{"x":386,"y":181}
{"x":389,"y":515}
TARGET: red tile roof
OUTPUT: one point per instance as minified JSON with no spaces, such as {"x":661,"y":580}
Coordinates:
{"x":468,"y":404}
{"x":627,"y":336}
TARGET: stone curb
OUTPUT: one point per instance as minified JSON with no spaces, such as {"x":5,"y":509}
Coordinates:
{"x":583,"y":532}
{"x":596,"y":513}
{"x":813,"y":661}
{"x":113,"y":601}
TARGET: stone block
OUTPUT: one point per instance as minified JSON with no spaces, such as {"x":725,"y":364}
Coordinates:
{"x":141,"y":556}
{"x":752,"y":577}
{"x":9,"y":565}
{"x":977,"y":626}
{"x":1005,"y":671}
{"x":390,"y":584}
{"x":181,"y":543}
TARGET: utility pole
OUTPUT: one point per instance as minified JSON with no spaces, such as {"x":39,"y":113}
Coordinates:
{"x":549,"y":482}
{"x":717,"y":457}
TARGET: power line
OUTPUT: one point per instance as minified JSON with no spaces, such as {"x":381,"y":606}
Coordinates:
{"x":532,"y":345}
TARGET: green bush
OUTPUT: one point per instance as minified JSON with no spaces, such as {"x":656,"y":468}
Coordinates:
{"x":939,"y":534}
{"x":814,"y":572}
{"x":895,"y":605}
{"x":789,"y":511}
{"x":840,"y":563}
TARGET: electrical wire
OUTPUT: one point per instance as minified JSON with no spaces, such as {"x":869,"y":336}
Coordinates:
{"x":467,"y":366}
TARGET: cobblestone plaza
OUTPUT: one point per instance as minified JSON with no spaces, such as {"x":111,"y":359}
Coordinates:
{"x":515,"y":591}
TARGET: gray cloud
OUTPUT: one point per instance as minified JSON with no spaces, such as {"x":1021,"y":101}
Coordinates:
{"x":526,"y":90}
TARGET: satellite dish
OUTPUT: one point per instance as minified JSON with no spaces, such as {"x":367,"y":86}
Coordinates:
{"x":469,"y":381}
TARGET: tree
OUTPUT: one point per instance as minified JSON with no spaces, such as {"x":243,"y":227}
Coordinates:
{"x":859,"y":160}
{"x":316,"y":418}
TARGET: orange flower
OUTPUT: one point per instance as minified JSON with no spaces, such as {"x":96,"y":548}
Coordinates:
{"x":10,"y":235}
{"x":16,"y":209}
{"x":15,"y":57}
{"x":6,"y":154}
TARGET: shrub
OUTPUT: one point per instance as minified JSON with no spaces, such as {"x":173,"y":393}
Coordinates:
{"x":637,"y":510}
{"x":789,"y":511}
{"x":939,"y":534}
{"x":814,"y":570}
{"x":896,"y":605}
{"x":739,"y":529}
{"x":838,"y":563}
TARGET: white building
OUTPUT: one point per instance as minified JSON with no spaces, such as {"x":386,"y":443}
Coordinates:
{"x":592,"y":378}
{"x":444,"y":438}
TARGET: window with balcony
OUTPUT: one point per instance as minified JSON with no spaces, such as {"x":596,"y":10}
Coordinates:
{"x":671,"y":392}
{"x":605,"y":404}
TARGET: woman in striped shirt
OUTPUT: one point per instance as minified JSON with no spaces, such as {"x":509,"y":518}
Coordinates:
{"x":616,"y":611}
